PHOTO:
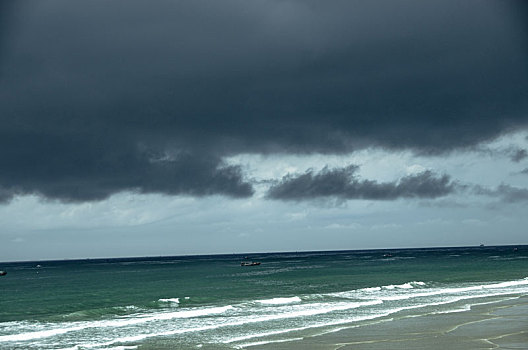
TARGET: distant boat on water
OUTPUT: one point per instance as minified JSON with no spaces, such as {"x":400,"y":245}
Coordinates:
{"x":481,"y":245}
{"x":3,"y":273}
{"x":249,"y":263}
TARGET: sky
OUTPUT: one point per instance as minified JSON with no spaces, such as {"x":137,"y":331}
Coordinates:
{"x":133,"y":128}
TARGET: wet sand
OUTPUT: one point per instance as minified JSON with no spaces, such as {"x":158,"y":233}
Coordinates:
{"x":502,"y":325}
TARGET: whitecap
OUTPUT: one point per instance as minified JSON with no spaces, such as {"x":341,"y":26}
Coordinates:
{"x":170,"y":300}
{"x":279,"y":301}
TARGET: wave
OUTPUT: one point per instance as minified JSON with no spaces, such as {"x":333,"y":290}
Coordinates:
{"x":170,"y":300}
{"x":454,"y":290}
{"x":415,"y":289}
{"x":38,"y":334}
{"x":408,"y":285}
{"x":359,"y":293}
{"x":279,"y":301}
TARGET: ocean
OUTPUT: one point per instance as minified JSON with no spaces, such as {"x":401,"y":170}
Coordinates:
{"x":212,"y":302}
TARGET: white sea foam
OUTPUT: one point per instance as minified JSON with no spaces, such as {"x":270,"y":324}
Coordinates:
{"x":370,"y":291}
{"x":268,"y":342}
{"x":266,"y":334}
{"x":417,"y":289}
{"x":309,"y":326}
{"x":335,"y":322}
{"x":38,"y":334}
{"x":408,"y":285}
{"x":468,"y":307}
{"x":170,"y":300}
{"x":451,"y":311}
{"x":315,"y":309}
{"x":508,"y":284}
{"x":120,"y":322}
{"x":455,"y":290}
{"x":129,"y":307}
{"x":279,"y":301}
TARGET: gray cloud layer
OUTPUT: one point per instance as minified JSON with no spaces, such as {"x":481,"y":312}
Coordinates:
{"x":519,"y":155}
{"x":91,"y":92}
{"x":507,"y":193}
{"x":342,"y":183}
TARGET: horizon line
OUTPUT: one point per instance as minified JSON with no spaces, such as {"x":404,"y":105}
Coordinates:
{"x":248,"y":253}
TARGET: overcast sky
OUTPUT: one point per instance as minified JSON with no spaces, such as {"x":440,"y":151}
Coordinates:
{"x":133,"y":128}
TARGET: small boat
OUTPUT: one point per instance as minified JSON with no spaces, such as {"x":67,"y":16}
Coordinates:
{"x":481,"y":245}
{"x":3,"y":273}
{"x":388,"y":255}
{"x":249,"y":263}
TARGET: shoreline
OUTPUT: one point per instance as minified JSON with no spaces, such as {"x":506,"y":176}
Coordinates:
{"x":495,"y":325}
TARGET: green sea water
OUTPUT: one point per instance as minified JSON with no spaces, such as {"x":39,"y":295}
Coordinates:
{"x":212,"y":302}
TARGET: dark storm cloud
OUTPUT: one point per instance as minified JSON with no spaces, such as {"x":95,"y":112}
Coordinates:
{"x":342,"y":183}
{"x":86,"y":169}
{"x":87,"y":86}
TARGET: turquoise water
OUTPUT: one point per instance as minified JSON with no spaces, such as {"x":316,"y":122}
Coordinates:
{"x":211,"y":302}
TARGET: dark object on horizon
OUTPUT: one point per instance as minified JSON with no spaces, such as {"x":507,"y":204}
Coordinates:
{"x":3,"y":273}
{"x":481,"y":245}
{"x":252,"y":263}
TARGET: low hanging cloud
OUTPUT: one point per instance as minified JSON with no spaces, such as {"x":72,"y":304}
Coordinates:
{"x":82,"y":176}
{"x":343,"y":183}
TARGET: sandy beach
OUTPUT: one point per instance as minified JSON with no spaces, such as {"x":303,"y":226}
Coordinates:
{"x":502,"y":325}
